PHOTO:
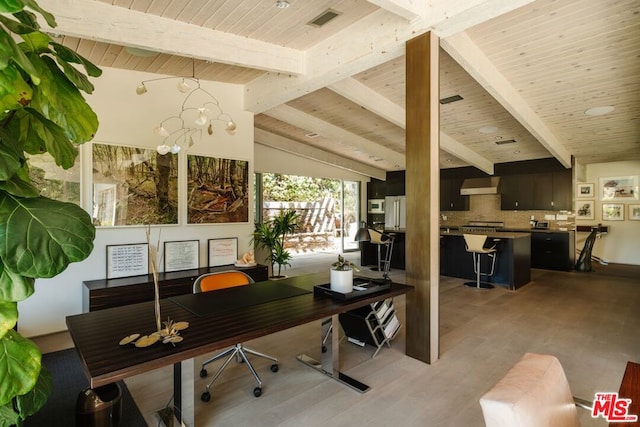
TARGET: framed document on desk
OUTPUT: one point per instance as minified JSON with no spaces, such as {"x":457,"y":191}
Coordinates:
{"x":181,"y":255}
{"x":223,"y":251}
{"x":127,"y":260}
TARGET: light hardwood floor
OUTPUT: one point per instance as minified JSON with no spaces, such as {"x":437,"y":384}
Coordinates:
{"x":590,"y":321}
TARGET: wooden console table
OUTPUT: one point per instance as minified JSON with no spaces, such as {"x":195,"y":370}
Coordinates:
{"x":107,"y":293}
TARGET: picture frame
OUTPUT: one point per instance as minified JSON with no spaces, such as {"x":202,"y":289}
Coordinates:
{"x":181,"y":255}
{"x":613,"y":212}
{"x":222,"y":251}
{"x":218,"y":190}
{"x":585,"y":209}
{"x":634,"y":212}
{"x":584,"y":190}
{"x":619,"y":188}
{"x":133,"y":186}
{"x":126,"y":260}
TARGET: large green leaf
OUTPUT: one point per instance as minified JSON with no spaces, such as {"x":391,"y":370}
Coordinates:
{"x":8,"y":417}
{"x":78,"y":79}
{"x":39,"y":237}
{"x":61,"y":102}
{"x":17,"y":186}
{"x":16,"y":26}
{"x":16,"y":55}
{"x":14,"y":287}
{"x":19,"y":366}
{"x":46,"y":15}
{"x":38,"y":134}
{"x":11,"y":6}
{"x":30,"y":403}
{"x":35,"y":42}
{"x":14,"y":91}
{"x":10,"y":159}
{"x":69,"y":55}
{"x":8,"y":316}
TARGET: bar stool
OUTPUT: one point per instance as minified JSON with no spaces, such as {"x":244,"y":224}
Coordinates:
{"x":474,"y":243}
{"x":377,"y":238}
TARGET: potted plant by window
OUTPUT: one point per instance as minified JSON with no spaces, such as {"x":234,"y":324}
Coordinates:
{"x":271,"y":235}
{"x":341,"y":279}
{"x":41,"y":111}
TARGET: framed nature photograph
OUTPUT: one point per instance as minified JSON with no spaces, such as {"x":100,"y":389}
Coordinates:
{"x":134,"y":186}
{"x":127,"y":260}
{"x":181,"y":255}
{"x":585,"y":209}
{"x":223,"y":251}
{"x":584,"y":190}
{"x":634,"y":212}
{"x":218,"y":190}
{"x":613,"y":212}
{"x":619,"y":188}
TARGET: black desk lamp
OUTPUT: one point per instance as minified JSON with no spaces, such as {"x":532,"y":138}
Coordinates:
{"x":362,"y":235}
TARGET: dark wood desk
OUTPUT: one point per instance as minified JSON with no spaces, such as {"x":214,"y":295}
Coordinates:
{"x":630,"y":389}
{"x":96,"y":334}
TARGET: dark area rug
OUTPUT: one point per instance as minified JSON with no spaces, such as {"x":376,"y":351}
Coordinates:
{"x":68,"y":381}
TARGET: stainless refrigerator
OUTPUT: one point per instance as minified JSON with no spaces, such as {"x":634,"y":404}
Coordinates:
{"x":395,"y":208}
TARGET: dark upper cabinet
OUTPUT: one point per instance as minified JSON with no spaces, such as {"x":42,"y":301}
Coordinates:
{"x":450,"y":197}
{"x":537,"y":191}
{"x":517,"y":192}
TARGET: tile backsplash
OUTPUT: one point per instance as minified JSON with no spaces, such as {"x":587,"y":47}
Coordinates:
{"x":486,"y":207}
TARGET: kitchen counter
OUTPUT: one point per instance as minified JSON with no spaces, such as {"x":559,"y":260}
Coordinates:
{"x":490,"y":234}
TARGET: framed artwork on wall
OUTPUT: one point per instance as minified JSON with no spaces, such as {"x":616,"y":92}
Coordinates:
{"x":613,"y":212}
{"x":619,"y":188}
{"x":223,"y":251}
{"x":585,"y":209}
{"x":127,"y":260}
{"x":218,"y":190}
{"x":634,"y":212}
{"x":134,"y":186}
{"x":181,"y":255}
{"x":584,"y":190}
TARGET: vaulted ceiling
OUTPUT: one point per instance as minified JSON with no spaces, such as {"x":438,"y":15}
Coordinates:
{"x":526,"y":71}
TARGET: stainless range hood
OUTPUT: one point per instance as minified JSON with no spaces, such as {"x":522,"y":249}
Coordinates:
{"x":488,"y":185}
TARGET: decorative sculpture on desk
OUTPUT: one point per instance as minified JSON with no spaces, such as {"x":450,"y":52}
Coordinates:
{"x":170,"y":333}
{"x":584,"y":260}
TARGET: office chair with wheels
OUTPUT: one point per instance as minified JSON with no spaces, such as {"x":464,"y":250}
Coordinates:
{"x":222,"y":280}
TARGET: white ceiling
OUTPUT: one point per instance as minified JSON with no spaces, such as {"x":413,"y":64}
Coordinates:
{"x":528,"y":68}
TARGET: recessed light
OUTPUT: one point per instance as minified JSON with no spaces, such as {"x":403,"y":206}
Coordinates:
{"x":488,"y":129}
{"x":450,"y":99}
{"x":599,"y":111}
{"x":516,"y":152}
{"x":282,"y":4}
{"x":506,"y":141}
{"x":312,"y":135}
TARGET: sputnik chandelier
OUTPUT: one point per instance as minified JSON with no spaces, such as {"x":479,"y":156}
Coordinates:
{"x":178,"y":131}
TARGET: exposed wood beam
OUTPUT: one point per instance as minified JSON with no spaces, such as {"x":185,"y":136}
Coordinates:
{"x":373,"y":40}
{"x":462,"y":49}
{"x":311,"y":123}
{"x":408,"y":9}
{"x":303,"y":150}
{"x":95,"y":20}
{"x":366,"y":97}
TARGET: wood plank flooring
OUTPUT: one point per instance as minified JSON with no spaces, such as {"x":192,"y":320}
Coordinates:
{"x":590,"y":321}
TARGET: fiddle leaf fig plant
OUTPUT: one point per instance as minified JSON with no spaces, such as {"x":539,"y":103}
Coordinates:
{"x":41,"y":111}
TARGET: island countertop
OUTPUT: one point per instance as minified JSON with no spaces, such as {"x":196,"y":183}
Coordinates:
{"x":490,"y":234}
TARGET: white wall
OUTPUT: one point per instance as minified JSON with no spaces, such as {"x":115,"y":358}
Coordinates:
{"x":622,"y":243}
{"x":129,"y":119}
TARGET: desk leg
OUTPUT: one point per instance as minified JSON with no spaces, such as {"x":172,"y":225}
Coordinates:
{"x":184,"y":392}
{"x":330,"y":360}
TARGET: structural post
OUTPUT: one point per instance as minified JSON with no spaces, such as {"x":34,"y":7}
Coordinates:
{"x":423,"y":197}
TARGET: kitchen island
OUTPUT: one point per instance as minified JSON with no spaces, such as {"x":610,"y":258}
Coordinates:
{"x":513,"y":262}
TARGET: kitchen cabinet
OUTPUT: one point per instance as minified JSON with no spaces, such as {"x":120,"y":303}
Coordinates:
{"x":517,"y":192}
{"x":553,"y":250}
{"x":450,"y":197}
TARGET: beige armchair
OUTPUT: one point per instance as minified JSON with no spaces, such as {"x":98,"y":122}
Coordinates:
{"x":533,"y":393}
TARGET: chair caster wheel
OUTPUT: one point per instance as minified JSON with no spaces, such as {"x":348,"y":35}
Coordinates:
{"x":274,"y":367}
{"x":257,"y":392}
{"x":324,"y":348}
{"x":203,"y":373}
{"x":206,"y":396}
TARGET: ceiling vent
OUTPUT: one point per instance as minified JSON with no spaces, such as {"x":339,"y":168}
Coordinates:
{"x":505,"y":141}
{"x":451,"y":99}
{"x":323,"y":18}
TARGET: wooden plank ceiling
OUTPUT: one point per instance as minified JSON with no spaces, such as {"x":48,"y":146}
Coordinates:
{"x":527,"y":71}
